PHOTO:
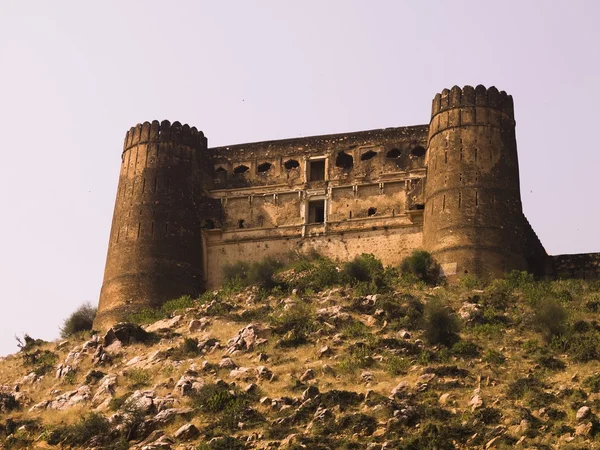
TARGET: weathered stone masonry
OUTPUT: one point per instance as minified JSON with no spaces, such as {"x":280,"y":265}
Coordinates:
{"x":184,"y":210}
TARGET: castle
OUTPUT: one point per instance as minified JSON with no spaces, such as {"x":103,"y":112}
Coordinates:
{"x":184,"y":210}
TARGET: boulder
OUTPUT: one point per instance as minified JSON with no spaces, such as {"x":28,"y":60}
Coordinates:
{"x":248,"y":338}
{"x":126,"y":333}
{"x":583,"y":413}
{"x":164,"y":324}
{"x":187,"y":432}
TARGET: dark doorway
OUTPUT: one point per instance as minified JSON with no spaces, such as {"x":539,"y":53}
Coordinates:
{"x":316,"y":211}
{"x":317,"y":170}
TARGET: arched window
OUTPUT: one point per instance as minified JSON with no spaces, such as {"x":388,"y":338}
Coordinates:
{"x":241,"y":169}
{"x":418,"y":151}
{"x":393,"y":154}
{"x":291,"y":164}
{"x":344,"y":160}
{"x":368,"y":155}
{"x":264,"y":167}
{"x":371,"y":212}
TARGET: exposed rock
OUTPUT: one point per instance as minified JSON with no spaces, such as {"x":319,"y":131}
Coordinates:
{"x":245,"y":373}
{"x":164,"y":324}
{"x":62,"y":371}
{"x":584,"y":429}
{"x":470,"y":312}
{"x":227,"y":363}
{"x":188,"y":384}
{"x":106,"y":390}
{"x":583,"y":413}
{"x":187,"y":432}
{"x":198,"y":324}
{"x":248,"y":338}
{"x":309,"y":374}
{"x":142,"y":401}
{"x":476,"y":402}
{"x":333,"y":313}
{"x":71,"y":398}
{"x":263,"y":373}
{"x":324,"y":351}
{"x":400,"y":389}
{"x":311,"y":392}
{"x":167,"y":415}
{"x":126,"y":333}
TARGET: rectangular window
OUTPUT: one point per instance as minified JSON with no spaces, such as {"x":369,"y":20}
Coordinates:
{"x":316,"y":211}
{"x":316,"y":170}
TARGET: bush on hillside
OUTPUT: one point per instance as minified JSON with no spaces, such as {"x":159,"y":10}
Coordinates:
{"x":259,"y":273}
{"x":366,"y":273}
{"x":82,"y":319}
{"x":440,"y":324}
{"x":421,"y":265}
{"x":550,"y":319}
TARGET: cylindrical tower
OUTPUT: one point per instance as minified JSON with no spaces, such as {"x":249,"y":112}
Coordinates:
{"x":473,"y":218}
{"x":154,"y":251}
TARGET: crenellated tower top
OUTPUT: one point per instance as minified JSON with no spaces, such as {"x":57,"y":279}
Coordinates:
{"x":165,"y":131}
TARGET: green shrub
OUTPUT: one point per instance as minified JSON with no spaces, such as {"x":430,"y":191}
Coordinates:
{"x":585,"y":347}
{"x":494,"y":357}
{"x":150,"y":315}
{"x":550,"y":319}
{"x":465,"y":349}
{"x":259,"y":273}
{"x":80,"y":320}
{"x":7,"y":402}
{"x":550,"y":362}
{"x":80,"y":433}
{"x":138,"y":378}
{"x":227,"y":404}
{"x":421,"y":265}
{"x":294,"y":324}
{"x":365,"y":268}
{"x":592,"y":383}
{"x":43,"y":362}
{"x":396,"y":365}
{"x":440,"y":323}
{"x":187,"y":349}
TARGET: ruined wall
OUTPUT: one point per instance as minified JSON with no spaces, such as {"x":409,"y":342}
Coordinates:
{"x":473,"y":219}
{"x":390,"y":242}
{"x":583,"y":265}
{"x":154,"y":251}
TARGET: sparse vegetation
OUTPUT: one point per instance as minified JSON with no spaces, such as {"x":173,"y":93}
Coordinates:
{"x":337,"y":339}
{"x":422,"y":266}
{"x":82,"y":319}
{"x":440,"y":323}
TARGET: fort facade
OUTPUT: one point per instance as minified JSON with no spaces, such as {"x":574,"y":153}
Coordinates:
{"x":185,"y":210}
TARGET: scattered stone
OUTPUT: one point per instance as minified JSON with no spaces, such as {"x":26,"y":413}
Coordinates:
{"x":227,"y":363}
{"x":476,"y":402}
{"x":62,"y":371}
{"x":187,"y":432}
{"x":308,"y":375}
{"x":584,"y":429}
{"x":126,"y":333}
{"x":199,"y":324}
{"x":311,"y":392}
{"x":583,"y":413}
{"x":324,"y":352}
{"x":400,"y":389}
{"x":248,"y":338}
{"x":167,"y":415}
{"x":105,"y":391}
{"x":71,"y":398}
{"x":263,"y":373}
{"x":164,"y":324}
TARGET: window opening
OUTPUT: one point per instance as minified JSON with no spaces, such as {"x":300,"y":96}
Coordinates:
{"x":371,"y":212}
{"x":241,"y":223}
{"x":317,"y":170}
{"x":208,"y":224}
{"x":264,"y":167}
{"x":393,"y":154}
{"x":344,"y":161}
{"x":291,"y":164}
{"x":368,"y":155}
{"x":241,"y":169}
{"x":418,"y":151}
{"x":316,"y":211}
{"x":220,"y":170}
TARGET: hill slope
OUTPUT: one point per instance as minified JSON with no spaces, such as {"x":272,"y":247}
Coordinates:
{"x":255,"y":368}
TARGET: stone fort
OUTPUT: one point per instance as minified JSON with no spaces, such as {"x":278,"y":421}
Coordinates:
{"x":184,"y":210}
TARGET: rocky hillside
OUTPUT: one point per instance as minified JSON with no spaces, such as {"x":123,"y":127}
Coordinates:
{"x":513,"y":363}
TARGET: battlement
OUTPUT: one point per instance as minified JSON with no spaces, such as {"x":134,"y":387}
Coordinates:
{"x":467,"y":96}
{"x":165,"y":131}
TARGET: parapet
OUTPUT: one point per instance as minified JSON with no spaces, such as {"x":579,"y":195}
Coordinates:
{"x":467,"y":96}
{"x":165,"y":132}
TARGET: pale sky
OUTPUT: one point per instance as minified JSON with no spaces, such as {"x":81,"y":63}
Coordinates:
{"x":75,"y":75}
